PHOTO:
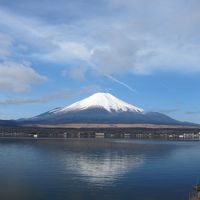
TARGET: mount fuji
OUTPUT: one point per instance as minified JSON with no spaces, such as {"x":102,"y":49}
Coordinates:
{"x":101,"y":108}
{"x":103,"y":101}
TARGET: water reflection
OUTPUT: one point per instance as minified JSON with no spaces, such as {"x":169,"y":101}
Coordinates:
{"x":105,"y":168}
{"x":97,"y":169}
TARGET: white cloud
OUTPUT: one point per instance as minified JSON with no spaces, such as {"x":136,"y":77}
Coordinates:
{"x":67,"y":50}
{"x":18,"y":77}
{"x":77,"y":73}
{"x":121,"y":54}
{"x":144,"y":37}
{"x":5,"y":45}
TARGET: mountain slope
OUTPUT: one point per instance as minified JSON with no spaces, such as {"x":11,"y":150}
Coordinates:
{"x":100,"y":100}
{"x":101,"y":108}
{"x":4,"y":123}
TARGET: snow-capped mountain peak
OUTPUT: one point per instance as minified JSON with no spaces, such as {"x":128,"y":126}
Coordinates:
{"x":100,"y":108}
{"x":101,"y":100}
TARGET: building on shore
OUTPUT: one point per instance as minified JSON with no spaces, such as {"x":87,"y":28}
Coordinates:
{"x":99,"y":135}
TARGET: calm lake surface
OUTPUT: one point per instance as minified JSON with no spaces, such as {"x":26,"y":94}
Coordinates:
{"x":101,"y":169}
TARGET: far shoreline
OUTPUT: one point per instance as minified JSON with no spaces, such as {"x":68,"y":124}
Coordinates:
{"x":103,"y":125}
{"x":137,"y":131}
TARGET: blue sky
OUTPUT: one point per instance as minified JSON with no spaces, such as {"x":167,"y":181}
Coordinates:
{"x":53,"y":53}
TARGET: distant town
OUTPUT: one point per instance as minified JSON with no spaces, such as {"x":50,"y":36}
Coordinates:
{"x":115,"y":132}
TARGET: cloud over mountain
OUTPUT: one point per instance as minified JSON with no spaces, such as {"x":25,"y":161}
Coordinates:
{"x":139,"y":36}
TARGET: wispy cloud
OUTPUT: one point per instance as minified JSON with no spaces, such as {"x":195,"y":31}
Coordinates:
{"x":169,"y":111}
{"x":63,"y":94}
{"x":5,"y":45}
{"x":139,"y":39}
{"x":121,"y":83}
{"x":18,"y":77}
{"x":193,"y":113}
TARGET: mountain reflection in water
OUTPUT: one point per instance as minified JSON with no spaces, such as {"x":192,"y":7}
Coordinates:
{"x":102,"y":169}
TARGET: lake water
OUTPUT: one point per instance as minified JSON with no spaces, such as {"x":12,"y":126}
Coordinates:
{"x":101,"y":169}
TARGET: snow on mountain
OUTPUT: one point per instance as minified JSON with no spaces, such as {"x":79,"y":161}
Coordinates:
{"x":100,"y":100}
{"x":101,"y":108}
